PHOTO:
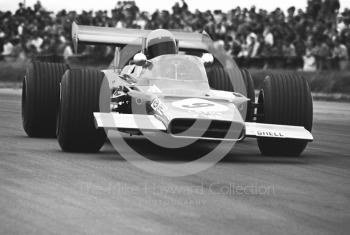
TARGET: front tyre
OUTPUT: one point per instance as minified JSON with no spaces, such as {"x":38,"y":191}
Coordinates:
{"x":285,"y":99}
{"x":80,"y":97}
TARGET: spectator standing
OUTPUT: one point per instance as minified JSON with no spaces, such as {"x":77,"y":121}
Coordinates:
{"x":309,"y":61}
{"x":340,"y":53}
{"x":7,"y":48}
{"x":268,"y":36}
{"x":268,"y":41}
{"x":2,"y":40}
{"x":323,"y":54}
{"x":289,"y":53}
{"x":37,"y":42}
{"x":244,"y":50}
{"x":254,"y":46}
{"x":288,"y":50}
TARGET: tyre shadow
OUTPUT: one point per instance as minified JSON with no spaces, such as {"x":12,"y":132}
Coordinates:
{"x":243,"y":152}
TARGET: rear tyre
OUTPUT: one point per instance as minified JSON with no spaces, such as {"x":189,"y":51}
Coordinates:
{"x":220,"y":80}
{"x":285,"y":99}
{"x":40,"y":98}
{"x":80,"y":97}
{"x":249,"y":84}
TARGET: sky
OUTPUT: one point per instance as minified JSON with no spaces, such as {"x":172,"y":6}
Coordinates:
{"x":151,"y":5}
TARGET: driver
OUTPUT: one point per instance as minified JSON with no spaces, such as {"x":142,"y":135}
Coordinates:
{"x":160,"y":42}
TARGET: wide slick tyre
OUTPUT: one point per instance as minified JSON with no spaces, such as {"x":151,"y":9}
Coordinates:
{"x":80,"y":97}
{"x":249,"y":84}
{"x":285,"y":99}
{"x":40,"y":98}
{"x":219,"y":79}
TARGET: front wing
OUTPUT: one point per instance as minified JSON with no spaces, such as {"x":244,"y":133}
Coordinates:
{"x":151,"y":123}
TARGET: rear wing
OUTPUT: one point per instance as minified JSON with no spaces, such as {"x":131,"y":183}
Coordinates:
{"x":121,"y":37}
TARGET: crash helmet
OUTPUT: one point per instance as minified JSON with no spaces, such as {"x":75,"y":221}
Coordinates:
{"x":160,"y":42}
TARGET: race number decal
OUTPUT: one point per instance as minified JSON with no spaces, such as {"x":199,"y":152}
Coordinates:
{"x":199,"y":105}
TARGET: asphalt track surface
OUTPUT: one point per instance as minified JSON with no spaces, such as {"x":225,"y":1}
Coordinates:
{"x":46,"y":191}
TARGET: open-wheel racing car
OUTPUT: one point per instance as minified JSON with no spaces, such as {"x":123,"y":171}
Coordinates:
{"x":166,"y":82}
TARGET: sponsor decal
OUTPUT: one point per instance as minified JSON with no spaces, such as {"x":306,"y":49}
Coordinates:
{"x":157,"y":105}
{"x":200,"y":106}
{"x":160,"y":110}
{"x":269,"y":134}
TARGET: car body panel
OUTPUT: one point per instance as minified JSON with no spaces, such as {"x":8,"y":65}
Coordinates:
{"x":176,"y":88}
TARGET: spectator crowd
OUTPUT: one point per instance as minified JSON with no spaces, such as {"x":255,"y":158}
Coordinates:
{"x":315,"y":38}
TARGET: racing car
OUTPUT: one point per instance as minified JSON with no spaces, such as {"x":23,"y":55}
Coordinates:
{"x":164,"y":82}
